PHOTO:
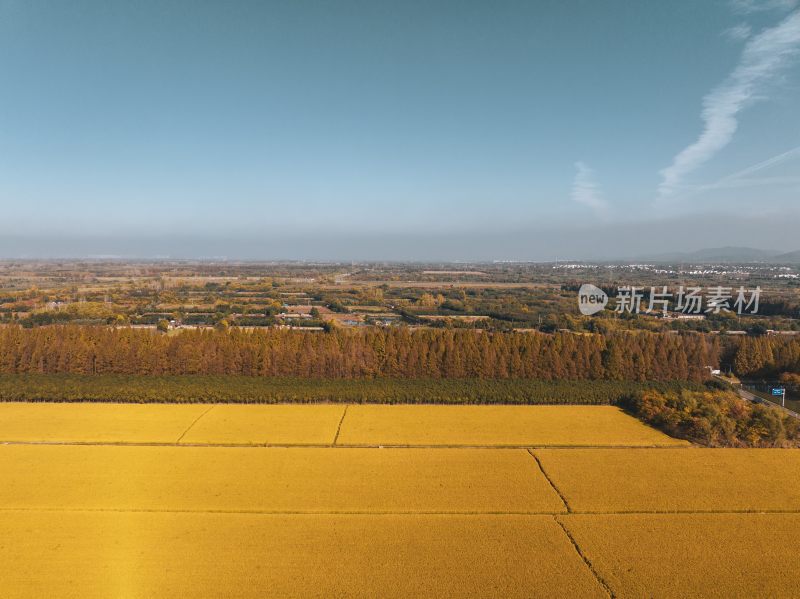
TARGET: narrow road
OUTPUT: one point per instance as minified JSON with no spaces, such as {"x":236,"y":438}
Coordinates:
{"x":747,"y":395}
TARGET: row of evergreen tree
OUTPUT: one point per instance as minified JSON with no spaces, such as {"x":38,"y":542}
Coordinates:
{"x":142,"y":388}
{"x":766,"y":356}
{"x":370,"y":352}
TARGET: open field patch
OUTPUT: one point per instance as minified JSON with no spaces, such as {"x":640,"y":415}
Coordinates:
{"x":497,"y":426}
{"x":692,"y":555}
{"x":273,"y":479}
{"x":152,"y":500}
{"x":100,"y":423}
{"x":702,"y":479}
{"x":119,"y":554}
{"x":274,"y":424}
{"x":319,"y":424}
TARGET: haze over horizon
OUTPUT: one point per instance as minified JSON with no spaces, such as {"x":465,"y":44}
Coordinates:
{"x":385,"y":131}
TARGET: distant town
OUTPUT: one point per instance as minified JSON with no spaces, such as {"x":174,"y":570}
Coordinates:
{"x":519,"y":296}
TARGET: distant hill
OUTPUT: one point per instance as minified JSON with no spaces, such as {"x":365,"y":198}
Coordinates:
{"x":788,"y":258}
{"x":726,"y":254}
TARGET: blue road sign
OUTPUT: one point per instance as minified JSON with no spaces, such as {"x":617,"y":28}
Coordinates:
{"x":778,"y":391}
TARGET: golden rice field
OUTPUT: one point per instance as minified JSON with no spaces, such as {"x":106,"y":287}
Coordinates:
{"x":688,"y":480}
{"x":104,"y":423}
{"x":692,"y":555}
{"x":309,"y":480}
{"x":146,"y":555}
{"x":384,"y":501}
{"x":278,"y":424}
{"x":327,"y":424}
{"x":497,"y":426}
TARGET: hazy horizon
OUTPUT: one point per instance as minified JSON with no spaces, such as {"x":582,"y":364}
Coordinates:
{"x":413,"y":131}
{"x":610,"y":242}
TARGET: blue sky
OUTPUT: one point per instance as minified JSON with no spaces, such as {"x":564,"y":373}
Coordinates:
{"x":324,"y":130}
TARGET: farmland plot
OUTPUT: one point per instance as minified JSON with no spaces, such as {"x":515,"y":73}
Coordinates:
{"x":293,"y":480}
{"x":669,"y":480}
{"x":439,"y":425}
{"x":273,"y":424}
{"x":691,"y":555}
{"x":97,"y":422}
{"x":145,"y":555}
{"x":157,"y":504}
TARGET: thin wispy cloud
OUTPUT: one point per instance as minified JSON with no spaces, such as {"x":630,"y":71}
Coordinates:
{"x":764,"y":58}
{"x":764,"y":164}
{"x":758,"y":182}
{"x":747,"y":7}
{"x":587,"y":192}
{"x":739,"y":33}
{"x":746,"y":176}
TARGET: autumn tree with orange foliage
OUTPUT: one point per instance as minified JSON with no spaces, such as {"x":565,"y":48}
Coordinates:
{"x":370,"y":352}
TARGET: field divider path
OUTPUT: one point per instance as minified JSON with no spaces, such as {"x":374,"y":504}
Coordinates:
{"x":550,"y":481}
{"x":585,"y":559}
{"x":330,"y":512}
{"x":195,"y":421}
{"x":397,"y":512}
{"x":339,"y":427}
{"x":337,"y":445}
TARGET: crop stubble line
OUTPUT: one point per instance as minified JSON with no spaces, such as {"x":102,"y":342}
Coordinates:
{"x":339,"y":427}
{"x":331,"y":445}
{"x":398,"y":512}
{"x":526,"y":446}
{"x":195,"y":421}
{"x":272,"y":512}
{"x":677,"y":512}
{"x":550,"y":481}
{"x":585,"y":559}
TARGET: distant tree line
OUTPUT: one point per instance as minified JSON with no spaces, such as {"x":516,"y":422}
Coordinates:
{"x":766,"y":356}
{"x":248,"y":389}
{"x":369,"y":352}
